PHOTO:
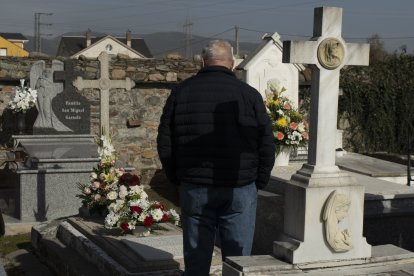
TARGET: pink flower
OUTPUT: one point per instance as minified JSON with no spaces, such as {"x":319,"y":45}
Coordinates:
{"x":305,"y":135}
{"x":293,"y":125}
{"x":279,"y":135}
{"x":286,"y":106}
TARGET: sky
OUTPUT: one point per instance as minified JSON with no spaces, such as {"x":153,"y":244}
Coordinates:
{"x":392,"y":20}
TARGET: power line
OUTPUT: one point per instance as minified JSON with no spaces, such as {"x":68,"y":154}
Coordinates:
{"x":196,"y":42}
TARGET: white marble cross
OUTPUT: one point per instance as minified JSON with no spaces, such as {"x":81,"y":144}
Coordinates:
{"x":105,"y":85}
{"x":328,"y":53}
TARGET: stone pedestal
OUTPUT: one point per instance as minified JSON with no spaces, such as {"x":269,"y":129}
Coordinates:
{"x":48,"y":177}
{"x":313,"y":217}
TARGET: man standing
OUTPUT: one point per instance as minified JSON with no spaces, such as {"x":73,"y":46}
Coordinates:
{"x":215,"y":141}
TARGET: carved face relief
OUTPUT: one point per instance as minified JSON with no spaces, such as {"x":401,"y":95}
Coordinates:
{"x":336,"y":209}
{"x":331,"y":53}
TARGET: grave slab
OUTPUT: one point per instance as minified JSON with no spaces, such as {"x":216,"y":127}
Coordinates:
{"x":385,"y":260}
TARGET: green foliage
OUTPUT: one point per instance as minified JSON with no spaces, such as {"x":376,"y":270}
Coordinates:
{"x":378,"y":103}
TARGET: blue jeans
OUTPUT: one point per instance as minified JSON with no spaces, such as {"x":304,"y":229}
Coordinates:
{"x":207,"y":210}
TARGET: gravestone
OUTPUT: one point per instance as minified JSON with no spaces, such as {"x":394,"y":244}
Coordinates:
{"x":71,"y":108}
{"x":264,"y":66}
{"x":61,"y":153}
{"x":104,"y":84}
{"x":324,"y":205}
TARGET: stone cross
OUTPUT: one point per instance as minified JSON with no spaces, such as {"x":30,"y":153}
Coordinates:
{"x":66,"y":76}
{"x":323,"y":212}
{"x":105,"y":84}
{"x":328,"y":53}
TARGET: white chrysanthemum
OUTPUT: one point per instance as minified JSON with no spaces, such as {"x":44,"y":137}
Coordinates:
{"x":111,"y":219}
{"x":135,"y":190}
{"x":112,"y":195}
{"x":142,"y":216}
{"x":157,"y":214}
{"x":123,"y":192}
{"x":131,"y":225}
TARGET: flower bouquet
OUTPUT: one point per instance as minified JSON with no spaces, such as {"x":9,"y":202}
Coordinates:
{"x":103,"y":179}
{"x":130,"y":207}
{"x":119,"y":195}
{"x":289,"y":127}
{"x":24,"y":98}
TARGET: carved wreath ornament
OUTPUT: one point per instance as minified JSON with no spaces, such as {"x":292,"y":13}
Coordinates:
{"x":336,"y":209}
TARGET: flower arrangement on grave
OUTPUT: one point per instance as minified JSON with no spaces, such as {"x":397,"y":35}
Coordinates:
{"x":24,"y":98}
{"x":130,"y":207}
{"x":120,"y":196}
{"x":289,"y":126}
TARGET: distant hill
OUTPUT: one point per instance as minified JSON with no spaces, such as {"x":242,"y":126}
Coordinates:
{"x":159,"y":43}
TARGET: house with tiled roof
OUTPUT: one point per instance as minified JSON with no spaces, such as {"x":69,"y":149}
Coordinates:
{"x":90,"y":46}
{"x":12,"y":45}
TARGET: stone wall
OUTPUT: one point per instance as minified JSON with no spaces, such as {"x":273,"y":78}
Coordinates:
{"x":134,"y":115}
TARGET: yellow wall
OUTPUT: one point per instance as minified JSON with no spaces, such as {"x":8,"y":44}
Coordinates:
{"x":12,"y":49}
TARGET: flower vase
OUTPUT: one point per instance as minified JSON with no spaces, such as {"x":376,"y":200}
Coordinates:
{"x":282,"y":157}
{"x":141,"y":231}
{"x":21,"y":123}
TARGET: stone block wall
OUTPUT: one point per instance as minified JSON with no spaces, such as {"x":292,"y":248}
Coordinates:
{"x":134,"y":115}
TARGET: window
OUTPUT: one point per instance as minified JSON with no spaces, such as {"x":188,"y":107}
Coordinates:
{"x":3,"y":52}
{"x":108,"y":47}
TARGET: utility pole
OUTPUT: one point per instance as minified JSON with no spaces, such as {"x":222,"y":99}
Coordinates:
{"x":188,"y":25}
{"x":38,"y":34}
{"x":236,"y":29}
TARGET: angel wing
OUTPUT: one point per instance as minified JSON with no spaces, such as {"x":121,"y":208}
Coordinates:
{"x":36,"y":71}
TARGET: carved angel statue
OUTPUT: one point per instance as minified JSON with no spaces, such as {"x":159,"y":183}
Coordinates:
{"x":41,"y":79}
{"x":336,"y":209}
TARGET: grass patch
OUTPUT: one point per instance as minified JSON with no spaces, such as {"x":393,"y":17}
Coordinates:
{"x":9,"y":244}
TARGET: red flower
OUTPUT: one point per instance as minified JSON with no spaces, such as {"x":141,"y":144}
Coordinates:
{"x":165,"y":218}
{"x":279,"y":135}
{"x":293,"y":125}
{"x":124,"y":226}
{"x":158,"y":206}
{"x":129,"y":179}
{"x":148,"y":221}
{"x":136,"y":209}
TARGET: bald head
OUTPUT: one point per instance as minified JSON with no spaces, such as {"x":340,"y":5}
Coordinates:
{"x":218,"y":52}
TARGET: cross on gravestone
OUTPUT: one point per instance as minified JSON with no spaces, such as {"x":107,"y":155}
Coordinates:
{"x":105,"y":84}
{"x":72,"y":109}
{"x":66,"y":76}
{"x":324,"y":206}
{"x":328,"y":53}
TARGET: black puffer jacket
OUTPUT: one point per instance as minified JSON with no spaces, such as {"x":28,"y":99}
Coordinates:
{"x":215,"y":131}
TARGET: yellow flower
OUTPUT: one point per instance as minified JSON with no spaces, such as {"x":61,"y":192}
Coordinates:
{"x":276,"y":102}
{"x":282,"y":122}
